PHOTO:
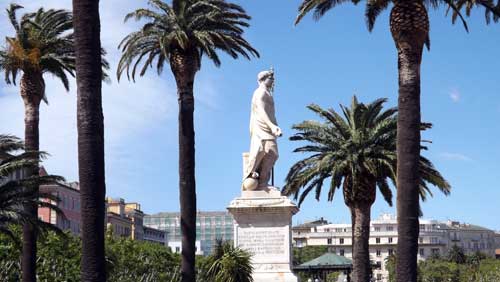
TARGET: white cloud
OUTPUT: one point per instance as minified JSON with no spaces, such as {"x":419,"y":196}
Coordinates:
{"x":455,"y":95}
{"x":454,"y":156}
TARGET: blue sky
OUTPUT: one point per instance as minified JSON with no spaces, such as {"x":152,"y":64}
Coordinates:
{"x":323,"y":62}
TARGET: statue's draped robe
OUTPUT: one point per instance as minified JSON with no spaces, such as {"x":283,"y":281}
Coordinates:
{"x":263,"y":147}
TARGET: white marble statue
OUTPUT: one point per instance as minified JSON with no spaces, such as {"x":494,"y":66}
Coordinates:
{"x":264,"y":131}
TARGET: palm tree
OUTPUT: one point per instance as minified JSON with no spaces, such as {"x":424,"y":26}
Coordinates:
{"x":42,"y":44}
{"x":90,"y":123}
{"x":358,"y":152}
{"x":456,"y":254}
{"x":16,"y":192}
{"x":409,"y":24}
{"x":227,"y":263}
{"x":181,"y":34}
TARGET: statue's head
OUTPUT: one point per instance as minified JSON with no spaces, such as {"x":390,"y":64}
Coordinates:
{"x":266,"y":78}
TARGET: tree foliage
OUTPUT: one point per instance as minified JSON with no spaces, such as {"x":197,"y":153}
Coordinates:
{"x":374,"y":8}
{"x":352,"y":148}
{"x":201,"y":26}
{"x":456,"y":254}
{"x":43,"y":43}
{"x":15,"y":193}
{"x":227,"y":264}
{"x":58,"y":259}
{"x":477,"y":268}
{"x":131,"y":261}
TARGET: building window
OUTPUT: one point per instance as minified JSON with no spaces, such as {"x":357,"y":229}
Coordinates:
{"x":177,"y":249}
{"x":390,"y":239}
{"x":379,"y":276}
{"x":422,"y":252}
{"x":377,"y":240}
{"x":435,"y":251}
{"x":379,"y":253}
{"x":421,"y":240}
{"x":389,"y":228}
{"x":341,"y":252}
{"x":390,"y":252}
{"x":329,"y":241}
{"x":341,"y":241}
{"x":377,"y":229}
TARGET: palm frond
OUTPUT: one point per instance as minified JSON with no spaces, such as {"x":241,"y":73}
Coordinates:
{"x":320,"y":8}
{"x":356,"y":150}
{"x":193,"y":28}
{"x":43,"y":43}
{"x":16,"y":193}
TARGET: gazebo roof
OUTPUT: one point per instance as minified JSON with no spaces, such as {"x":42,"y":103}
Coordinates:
{"x":326,"y":261}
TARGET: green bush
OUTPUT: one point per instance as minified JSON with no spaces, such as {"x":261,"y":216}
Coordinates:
{"x":58,"y":260}
{"x":475,"y":268}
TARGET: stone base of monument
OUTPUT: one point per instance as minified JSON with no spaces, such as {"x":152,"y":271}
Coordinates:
{"x":263,"y":221}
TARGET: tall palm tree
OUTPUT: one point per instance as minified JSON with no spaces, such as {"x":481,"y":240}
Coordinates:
{"x":90,"y":123}
{"x":409,"y":25}
{"x":358,"y":152}
{"x":16,"y":192}
{"x":181,"y":34}
{"x":42,"y":44}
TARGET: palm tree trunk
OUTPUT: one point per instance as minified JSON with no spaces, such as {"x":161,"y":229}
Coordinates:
{"x":90,"y":138}
{"x":184,"y":65}
{"x":409,"y":28}
{"x":360,"y":242}
{"x":32,"y":91}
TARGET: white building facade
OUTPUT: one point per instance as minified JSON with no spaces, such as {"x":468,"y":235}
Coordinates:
{"x":436,"y":238}
{"x":176,"y":247}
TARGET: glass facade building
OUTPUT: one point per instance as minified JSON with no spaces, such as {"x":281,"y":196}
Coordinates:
{"x":210,"y":226}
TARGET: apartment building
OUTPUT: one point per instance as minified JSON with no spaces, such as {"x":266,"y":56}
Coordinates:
{"x":69,"y":195}
{"x":497,"y":244}
{"x":436,"y":238}
{"x":69,"y":204}
{"x":155,"y":236}
{"x":125,"y":219}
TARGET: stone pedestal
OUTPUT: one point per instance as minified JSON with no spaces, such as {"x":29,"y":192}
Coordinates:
{"x":263,"y":227}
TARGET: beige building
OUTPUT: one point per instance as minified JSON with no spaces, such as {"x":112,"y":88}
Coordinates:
{"x":120,"y":225}
{"x":124,"y":219}
{"x":436,"y":238}
{"x":133,"y":211}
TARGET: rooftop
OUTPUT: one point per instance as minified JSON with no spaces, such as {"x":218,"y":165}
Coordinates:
{"x":310,"y":224}
{"x":200,"y":213}
{"x":392,"y":219}
{"x":326,"y":261}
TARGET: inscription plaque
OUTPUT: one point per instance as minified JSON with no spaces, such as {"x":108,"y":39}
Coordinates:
{"x":262,"y":242}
